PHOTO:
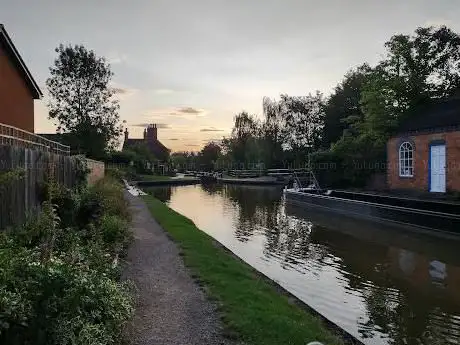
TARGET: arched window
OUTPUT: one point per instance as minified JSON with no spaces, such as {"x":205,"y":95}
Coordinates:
{"x":406,"y":159}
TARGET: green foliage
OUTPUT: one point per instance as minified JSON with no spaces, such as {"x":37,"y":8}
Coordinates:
{"x":81,"y":100}
{"x":54,"y":303}
{"x":209,"y":155}
{"x":372,"y":102}
{"x":113,"y":231}
{"x":58,"y":281}
{"x":82,"y":171}
{"x":116,"y":173}
{"x":7,"y":177}
{"x":138,"y":159}
{"x":343,"y":107}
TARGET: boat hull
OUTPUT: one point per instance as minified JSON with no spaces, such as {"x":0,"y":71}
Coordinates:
{"x":422,"y":217}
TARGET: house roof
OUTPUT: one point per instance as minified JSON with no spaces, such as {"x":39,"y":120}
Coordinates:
{"x":15,"y":57}
{"x":157,"y":143}
{"x":444,"y":114}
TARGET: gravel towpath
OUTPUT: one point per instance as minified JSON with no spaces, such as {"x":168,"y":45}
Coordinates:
{"x":171,"y":308}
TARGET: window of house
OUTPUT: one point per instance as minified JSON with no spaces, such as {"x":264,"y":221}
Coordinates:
{"x":406,"y":160}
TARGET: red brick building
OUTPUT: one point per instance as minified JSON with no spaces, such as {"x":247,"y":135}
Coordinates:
{"x":18,"y":89}
{"x":425,"y":154}
{"x":150,"y":140}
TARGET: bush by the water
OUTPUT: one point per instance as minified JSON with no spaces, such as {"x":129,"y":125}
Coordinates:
{"x":59,"y":278}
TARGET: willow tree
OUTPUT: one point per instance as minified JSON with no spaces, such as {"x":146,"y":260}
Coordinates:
{"x":81,"y":101}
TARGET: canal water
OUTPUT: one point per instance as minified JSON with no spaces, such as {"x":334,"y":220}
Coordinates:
{"x":382,"y":285}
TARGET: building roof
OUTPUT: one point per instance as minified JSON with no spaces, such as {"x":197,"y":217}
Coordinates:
{"x":438,"y":115}
{"x":15,"y":57}
{"x":155,"y":146}
{"x":131,"y":142}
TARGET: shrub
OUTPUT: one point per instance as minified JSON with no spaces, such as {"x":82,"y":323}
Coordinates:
{"x":114,"y":231}
{"x":110,"y":194}
{"x":116,"y":173}
{"x":58,"y":302}
{"x":59,"y":285}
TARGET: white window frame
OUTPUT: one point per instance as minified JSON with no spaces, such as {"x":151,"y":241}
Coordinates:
{"x":406,"y":159}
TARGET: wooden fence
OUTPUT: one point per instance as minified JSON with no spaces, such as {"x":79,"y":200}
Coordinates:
{"x":21,"y":196}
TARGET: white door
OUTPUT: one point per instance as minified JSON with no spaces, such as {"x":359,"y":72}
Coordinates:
{"x":438,"y":168}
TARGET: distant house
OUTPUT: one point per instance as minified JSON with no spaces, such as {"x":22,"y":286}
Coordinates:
{"x":150,"y":140}
{"x":425,"y":154}
{"x":18,"y":88}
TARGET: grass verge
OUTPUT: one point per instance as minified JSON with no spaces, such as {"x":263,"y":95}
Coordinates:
{"x":154,"y":178}
{"x":253,"y":310}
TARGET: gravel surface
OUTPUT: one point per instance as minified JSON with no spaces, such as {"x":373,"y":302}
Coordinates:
{"x":171,"y":308}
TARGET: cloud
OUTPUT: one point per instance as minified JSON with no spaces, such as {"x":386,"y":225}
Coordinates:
{"x":159,"y":125}
{"x":173,"y":139}
{"x":123,"y":92}
{"x":188,"y":111}
{"x":184,"y":112}
{"x":211,"y":129}
{"x":215,"y":141}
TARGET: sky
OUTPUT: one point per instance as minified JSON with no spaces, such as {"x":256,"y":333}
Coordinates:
{"x":191,"y":65}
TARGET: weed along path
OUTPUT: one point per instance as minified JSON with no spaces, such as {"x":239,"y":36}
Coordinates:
{"x":171,"y":308}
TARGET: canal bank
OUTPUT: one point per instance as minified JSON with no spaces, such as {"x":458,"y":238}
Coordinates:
{"x":167,"y":182}
{"x":255,"y":309}
{"x":381,"y":285}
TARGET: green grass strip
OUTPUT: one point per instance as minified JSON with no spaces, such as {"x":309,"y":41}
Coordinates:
{"x":154,"y":178}
{"x":252,"y":309}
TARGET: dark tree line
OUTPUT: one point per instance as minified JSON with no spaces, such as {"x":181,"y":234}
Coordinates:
{"x":351,"y":126}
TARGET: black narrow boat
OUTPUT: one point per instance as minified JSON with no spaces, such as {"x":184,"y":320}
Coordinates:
{"x":208,"y":178}
{"x":424,"y":214}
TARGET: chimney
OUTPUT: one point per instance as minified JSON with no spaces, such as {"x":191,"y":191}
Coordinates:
{"x":145,"y":133}
{"x":126,"y":134}
{"x":152,"y":132}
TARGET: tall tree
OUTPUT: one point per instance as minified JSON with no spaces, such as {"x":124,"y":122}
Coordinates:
{"x":304,"y":120}
{"x":209,"y":155}
{"x":245,"y":130}
{"x":272,"y":132}
{"x":343,"y":107}
{"x":415,"y":70}
{"x":81,"y":101}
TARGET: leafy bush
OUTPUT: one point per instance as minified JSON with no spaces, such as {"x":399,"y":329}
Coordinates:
{"x":58,"y":273}
{"x":114,"y":231}
{"x":53,"y":302}
{"x":110,"y":194}
{"x":352,"y":161}
{"x":116,"y":173}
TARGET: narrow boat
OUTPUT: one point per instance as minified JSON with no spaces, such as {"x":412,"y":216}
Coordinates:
{"x":208,"y":177}
{"x":436,"y":216}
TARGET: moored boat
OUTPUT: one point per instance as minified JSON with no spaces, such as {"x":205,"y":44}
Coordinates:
{"x":208,"y":177}
{"x":437,"y":216}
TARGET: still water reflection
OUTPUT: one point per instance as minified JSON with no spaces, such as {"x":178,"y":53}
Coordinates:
{"x":382,"y":285}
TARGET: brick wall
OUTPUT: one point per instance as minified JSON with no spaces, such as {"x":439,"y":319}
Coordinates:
{"x":421,"y":157}
{"x":96,"y":170}
{"x":16,"y":101}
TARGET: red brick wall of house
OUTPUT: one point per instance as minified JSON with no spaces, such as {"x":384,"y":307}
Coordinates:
{"x":421,"y":157}
{"x":16,"y":101}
